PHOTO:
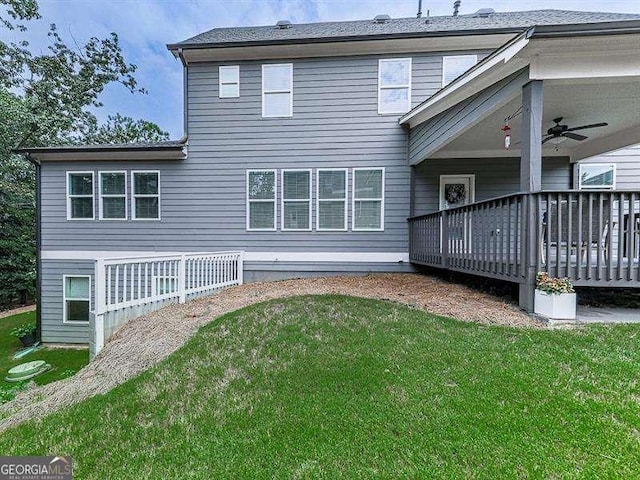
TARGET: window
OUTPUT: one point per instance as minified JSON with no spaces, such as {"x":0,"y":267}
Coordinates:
{"x":394,"y":85}
{"x":296,"y":200}
{"x":261,"y":200}
{"x":455,"y":65}
{"x":597,"y":176}
{"x":146,"y":195}
{"x":77,"y":298}
{"x":277,"y":90}
{"x":113,"y":195}
{"x":331,"y":208}
{"x":229,"y":81}
{"x":80,"y":196}
{"x":368,"y":199}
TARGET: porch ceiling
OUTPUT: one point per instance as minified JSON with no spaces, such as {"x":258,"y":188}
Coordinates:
{"x":580,"y":102}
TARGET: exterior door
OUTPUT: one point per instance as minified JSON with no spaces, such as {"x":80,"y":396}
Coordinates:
{"x":456,"y":190}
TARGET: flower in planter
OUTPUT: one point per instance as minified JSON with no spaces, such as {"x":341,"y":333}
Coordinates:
{"x":553,"y":285}
{"x":23,"y":330}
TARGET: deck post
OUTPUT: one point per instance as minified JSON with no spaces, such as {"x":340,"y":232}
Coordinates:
{"x":530,"y":182}
{"x":445,"y":239}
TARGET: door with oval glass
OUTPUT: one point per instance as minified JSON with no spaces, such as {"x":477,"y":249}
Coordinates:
{"x":456,"y":191}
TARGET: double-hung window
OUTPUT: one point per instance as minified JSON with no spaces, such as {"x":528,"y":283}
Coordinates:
{"x":146,"y":195}
{"x":277,"y":90}
{"x":77,"y":299}
{"x":331,"y":197}
{"x":394,"y":85}
{"x":80,"y":196}
{"x":368,"y":199}
{"x":595,"y":176}
{"x":455,"y":65}
{"x":261,"y":199}
{"x":113,"y":195}
{"x":229,"y":81}
{"x":296,"y":199}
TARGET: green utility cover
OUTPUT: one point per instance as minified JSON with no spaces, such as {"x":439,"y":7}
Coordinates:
{"x":24,"y":371}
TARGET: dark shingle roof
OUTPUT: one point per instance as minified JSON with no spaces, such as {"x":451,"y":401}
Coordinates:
{"x":507,"y":21}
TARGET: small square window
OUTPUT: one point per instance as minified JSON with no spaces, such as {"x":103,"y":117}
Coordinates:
{"x":455,"y":65}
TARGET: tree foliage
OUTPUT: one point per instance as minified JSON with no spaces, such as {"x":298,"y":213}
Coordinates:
{"x":49,"y":99}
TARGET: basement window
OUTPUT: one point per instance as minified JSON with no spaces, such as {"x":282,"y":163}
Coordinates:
{"x":77,"y":298}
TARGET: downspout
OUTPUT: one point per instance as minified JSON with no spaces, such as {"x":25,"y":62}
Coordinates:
{"x":185,"y":90}
{"x":38,"y":168}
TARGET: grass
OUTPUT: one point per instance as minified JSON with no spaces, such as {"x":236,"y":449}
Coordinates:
{"x":339,"y":387}
{"x":64,"y":361}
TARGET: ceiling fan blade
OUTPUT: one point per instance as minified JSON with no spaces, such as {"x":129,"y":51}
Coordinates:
{"x":547,"y":139}
{"x":582,"y":127}
{"x":574,"y":136}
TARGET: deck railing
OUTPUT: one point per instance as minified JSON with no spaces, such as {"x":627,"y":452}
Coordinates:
{"x":592,"y":237}
{"x":129,"y":287}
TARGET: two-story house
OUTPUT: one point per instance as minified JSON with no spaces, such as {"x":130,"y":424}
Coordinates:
{"x":352,"y":147}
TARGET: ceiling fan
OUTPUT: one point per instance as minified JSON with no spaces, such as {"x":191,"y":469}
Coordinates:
{"x":559,"y":131}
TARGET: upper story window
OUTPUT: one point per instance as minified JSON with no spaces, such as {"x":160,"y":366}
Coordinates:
{"x":597,"y":176}
{"x":394,"y":85}
{"x":455,"y":65}
{"x":146,"y":195}
{"x":113,"y":195}
{"x":261,"y":200}
{"x":331,"y":208}
{"x":277,"y":90}
{"x":229,"y":81}
{"x":80,"y":196}
{"x":368,"y":199}
{"x":296,"y":199}
{"x":77,"y":298}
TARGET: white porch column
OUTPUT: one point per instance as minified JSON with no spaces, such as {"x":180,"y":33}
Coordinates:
{"x":530,"y":181}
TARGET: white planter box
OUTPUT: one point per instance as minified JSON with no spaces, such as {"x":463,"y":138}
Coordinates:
{"x":559,"y":306}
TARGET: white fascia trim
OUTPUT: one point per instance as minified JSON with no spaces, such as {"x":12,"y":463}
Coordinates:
{"x":302,"y":257}
{"x":501,"y":56}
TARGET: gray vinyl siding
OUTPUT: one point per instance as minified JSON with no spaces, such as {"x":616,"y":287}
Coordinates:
{"x":53,"y":328}
{"x":494,"y":177}
{"x":627,"y":161}
{"x":335,"y":124}
{"x":430,"y":136}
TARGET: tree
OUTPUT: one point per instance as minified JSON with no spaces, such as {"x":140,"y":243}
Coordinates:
{"x":45,"y":100}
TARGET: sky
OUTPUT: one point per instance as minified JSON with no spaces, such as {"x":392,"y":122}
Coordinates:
{"x":146,"y":26}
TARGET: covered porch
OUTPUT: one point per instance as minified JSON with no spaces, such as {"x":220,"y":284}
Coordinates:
{"x":507,"y":209}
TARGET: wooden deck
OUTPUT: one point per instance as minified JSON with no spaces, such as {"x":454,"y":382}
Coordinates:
{"x":591,"y":237}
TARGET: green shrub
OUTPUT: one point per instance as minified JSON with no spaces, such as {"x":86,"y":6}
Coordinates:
{"x":23,"y":330}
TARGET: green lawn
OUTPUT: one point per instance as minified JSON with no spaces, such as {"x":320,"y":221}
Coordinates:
{"x":64,"y":361}
{"x":339,"y":387}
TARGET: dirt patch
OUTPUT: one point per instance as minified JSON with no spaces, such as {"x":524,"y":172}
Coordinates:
{"x":15,"y":311}
{"x":146,"y":340}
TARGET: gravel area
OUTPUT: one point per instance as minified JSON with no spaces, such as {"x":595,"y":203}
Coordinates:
{"x":146,"y":340}
{"x":15,"y":311}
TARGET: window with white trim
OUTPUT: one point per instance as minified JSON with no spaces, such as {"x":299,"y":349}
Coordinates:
{"x":229,"y":81}
{"x":261,"y":199}
{"x":146,"y":195}
{"x":394,"y":85}
{"x":599,"y":176}
{"x":368,"y":199}
{"x":80,"y":196}
{"x":296,"y":199}
{"x":277,"y":90}
{"x":455,"y":65}
{"x":77,"y":298}
{"x":113,"y":195}
{"x":331,"y":199}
